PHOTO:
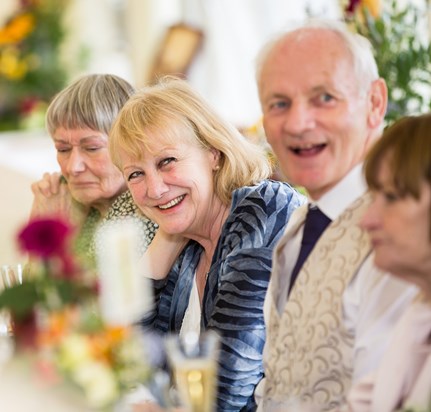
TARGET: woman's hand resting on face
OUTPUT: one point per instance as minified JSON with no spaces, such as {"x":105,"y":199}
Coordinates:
{"x":52,"y":197}
{"x":162,"y":253}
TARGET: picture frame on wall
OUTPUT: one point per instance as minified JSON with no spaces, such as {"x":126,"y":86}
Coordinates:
{"x":177,"y":51}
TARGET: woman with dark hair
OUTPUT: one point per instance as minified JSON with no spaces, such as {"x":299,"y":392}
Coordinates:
{"x":398,"y":173}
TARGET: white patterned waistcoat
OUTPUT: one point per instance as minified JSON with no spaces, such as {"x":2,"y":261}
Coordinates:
{"x":308,"y":351}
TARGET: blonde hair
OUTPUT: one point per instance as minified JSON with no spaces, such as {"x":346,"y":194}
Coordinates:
{"x":172,"y":110}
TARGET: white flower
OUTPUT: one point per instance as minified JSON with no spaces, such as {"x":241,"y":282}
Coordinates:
{"x":74,"y":350}
{"x":98,"y":382}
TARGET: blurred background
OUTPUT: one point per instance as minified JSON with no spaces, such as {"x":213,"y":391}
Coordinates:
{"x":44,"y":44}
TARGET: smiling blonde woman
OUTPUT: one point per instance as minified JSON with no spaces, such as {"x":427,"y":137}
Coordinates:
{"x":207,"y":188}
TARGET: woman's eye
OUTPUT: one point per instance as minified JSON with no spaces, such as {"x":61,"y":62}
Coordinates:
{"x":391,"y":196}
{"x":133,"y":175}
{"x":92,"y":148}
{"x":167,"y":161}
{"x":62,"y":149}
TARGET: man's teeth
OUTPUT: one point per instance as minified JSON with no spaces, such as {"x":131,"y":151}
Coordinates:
{"x":309,"y":147}
{"x":172,"y":203}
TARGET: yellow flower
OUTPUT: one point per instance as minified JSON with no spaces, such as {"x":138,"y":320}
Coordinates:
{"x":11,"y":66}
{"x":17,"y":29}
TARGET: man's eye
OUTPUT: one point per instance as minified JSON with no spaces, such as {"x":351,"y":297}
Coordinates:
{"x":133,"y":175}
{"x":326,"y":97}
{"x":63,"y":149}
{"x":279,"y":104}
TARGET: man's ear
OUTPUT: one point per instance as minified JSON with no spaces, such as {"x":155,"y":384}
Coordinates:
{"x":378,"y":101}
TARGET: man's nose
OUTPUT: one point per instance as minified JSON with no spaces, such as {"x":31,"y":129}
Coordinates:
{"x":299,"y":119}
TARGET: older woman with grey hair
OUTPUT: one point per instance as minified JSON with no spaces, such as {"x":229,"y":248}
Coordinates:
{"x":90,"y":190}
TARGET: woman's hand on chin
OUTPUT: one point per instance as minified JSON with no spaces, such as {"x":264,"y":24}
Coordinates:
{"x":53,"y":198}
{"x":162,"y":253}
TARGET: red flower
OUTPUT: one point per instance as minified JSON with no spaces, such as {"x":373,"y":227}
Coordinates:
{"x":45,"y":237}
{"x":28,"y":104}
{"x":352,"y":6}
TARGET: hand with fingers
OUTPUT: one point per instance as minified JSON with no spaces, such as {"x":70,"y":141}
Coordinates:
{"x":52,"y":197}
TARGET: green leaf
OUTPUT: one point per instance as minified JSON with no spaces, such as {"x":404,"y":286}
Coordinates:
{"x":20,"y":299}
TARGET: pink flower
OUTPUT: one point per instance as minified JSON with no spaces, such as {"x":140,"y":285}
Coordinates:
{"x":45,"y":237}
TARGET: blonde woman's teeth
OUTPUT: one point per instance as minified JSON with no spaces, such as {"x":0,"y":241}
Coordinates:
{"x":172,"y":203}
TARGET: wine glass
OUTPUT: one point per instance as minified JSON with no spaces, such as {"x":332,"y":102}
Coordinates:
{"x":9,"y":276}
{"x":193,"y":359}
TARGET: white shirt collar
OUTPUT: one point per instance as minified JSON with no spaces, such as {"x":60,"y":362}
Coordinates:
{"x":345,"y":192}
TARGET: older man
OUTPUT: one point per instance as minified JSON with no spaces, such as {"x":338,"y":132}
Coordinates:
{"x":328,"y":314}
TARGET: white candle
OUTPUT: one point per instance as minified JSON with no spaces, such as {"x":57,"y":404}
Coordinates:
{"x":125,"y":294}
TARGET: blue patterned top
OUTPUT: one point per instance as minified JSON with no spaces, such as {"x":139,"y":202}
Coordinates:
{"x":236,"y":286}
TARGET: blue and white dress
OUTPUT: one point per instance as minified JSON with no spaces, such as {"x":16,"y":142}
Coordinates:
{"x":236,"y":286}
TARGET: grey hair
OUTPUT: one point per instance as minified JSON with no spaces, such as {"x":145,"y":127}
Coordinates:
{"x":359,"y":47}
{"x":92,"y":101}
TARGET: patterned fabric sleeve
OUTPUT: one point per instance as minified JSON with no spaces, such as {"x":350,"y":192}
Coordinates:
{"x":236,"y":287}
{"x":235,"y":307}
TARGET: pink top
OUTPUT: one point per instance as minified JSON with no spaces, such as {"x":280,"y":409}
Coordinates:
{"x":403,"y":378}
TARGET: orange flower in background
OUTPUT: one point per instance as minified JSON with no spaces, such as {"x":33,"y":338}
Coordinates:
{"x":17,"y":29}
{"x":104,"y":343}
{"x":374,"y":7}
{"x":57,"y":325}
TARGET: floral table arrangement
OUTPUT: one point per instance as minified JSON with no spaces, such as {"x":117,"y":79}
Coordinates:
{"x":57,"y":320}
